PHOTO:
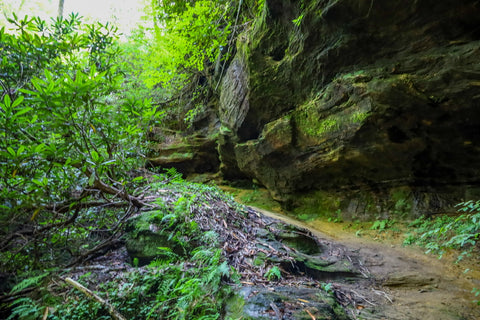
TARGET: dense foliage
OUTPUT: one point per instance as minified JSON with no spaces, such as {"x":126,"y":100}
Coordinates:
{"x":67,"y":132}
{"x":75,"y":110}
{"x":187,"y":51}
{"x":174,"y":286}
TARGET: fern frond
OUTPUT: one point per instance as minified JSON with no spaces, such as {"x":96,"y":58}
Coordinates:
{"x":28,"y":282}
{"x":26,"y":309}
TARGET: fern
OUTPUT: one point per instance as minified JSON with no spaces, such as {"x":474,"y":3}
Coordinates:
{"x":273,"y":273}
{"x":28,"y":282}
{"x":26,"y":309}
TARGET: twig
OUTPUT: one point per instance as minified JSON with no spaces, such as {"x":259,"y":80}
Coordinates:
{"x":45,"y":314}
{"x":310,"y":314}
{"x":363,"y":298}
{"x":114,"y":313}
{"x":276,"y":310}
{"x":383,"y":293}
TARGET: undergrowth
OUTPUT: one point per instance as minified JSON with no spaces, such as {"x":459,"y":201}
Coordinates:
{"x":192,"y":285}
{"x":446,"y":232}
{"x":183,"y":290}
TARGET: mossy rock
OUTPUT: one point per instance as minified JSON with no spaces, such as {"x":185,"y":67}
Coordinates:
{"x":147,"y":237}
{"x":255,"y":303}
{"x":338,"y":102}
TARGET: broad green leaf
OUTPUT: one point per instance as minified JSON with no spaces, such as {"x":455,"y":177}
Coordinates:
{"x":40,"y":148}
{"x":11,"y":151}
{"x":20,"y":150}
{"x":95,"y":156}
{"x":17,"y":101}
{"x":7,"y":101}
{"x":38,"y":182}
{"x":28,"y":91}
{"x":21,"y":111}
{"x":91,"y":180}
{"x":108,"y":162}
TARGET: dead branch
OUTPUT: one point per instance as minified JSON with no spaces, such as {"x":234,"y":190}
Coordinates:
{"x":112,"y":241}
{"x":33,"y":231}
{"x":114,"y":313}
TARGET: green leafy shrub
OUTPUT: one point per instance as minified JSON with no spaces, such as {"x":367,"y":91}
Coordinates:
{"x":66,"y":135}
{"x":446,"y":232}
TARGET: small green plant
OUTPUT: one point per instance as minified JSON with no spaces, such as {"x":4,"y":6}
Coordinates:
{"x":381,"y":225}
{"x":409,"y":239}
{"x":273,"y":273}
{"x":298,"y":20}
{"x":251,"y":196}
{"x":327,"y":287}
{"x":476,"y":292}
{"x":337,"y":218}
{"x":135,"y":262}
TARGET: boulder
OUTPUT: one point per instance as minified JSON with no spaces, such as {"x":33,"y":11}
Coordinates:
{"x":148,"y":236}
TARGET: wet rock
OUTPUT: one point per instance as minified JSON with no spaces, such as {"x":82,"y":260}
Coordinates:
{"x":309,"y":255}
{"x":284,"y":303}
{"x":321,"y":268}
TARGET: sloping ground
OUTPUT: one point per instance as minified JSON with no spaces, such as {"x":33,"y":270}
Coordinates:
{"x":414,"y":285}
{"x":255,"y":246}
{"x":285,"y":270}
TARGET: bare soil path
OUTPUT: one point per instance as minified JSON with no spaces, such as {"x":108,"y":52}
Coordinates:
{"x":410,"y":284}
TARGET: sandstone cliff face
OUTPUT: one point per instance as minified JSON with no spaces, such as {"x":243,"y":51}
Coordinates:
{"x":371,"y":107}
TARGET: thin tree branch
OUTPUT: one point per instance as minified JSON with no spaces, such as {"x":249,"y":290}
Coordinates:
{"x":113,"y":312}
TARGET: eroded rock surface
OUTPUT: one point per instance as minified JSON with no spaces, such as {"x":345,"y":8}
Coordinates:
{"x":189,"y":155}
{"x":367,"y":106}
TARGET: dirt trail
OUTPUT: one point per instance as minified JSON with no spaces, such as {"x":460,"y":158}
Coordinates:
{"x":412,"y":285}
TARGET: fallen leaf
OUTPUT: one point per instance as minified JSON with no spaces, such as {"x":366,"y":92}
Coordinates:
{"x":34,"y":215}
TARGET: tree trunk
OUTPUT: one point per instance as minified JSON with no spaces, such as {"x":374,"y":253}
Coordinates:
{"x":60,"y":8}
